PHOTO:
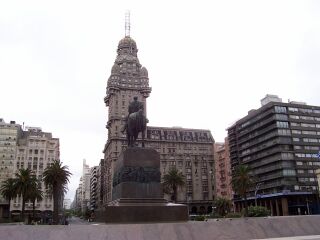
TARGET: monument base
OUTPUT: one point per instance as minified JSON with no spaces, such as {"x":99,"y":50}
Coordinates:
{"x":136,"y":192}
{"x":144,"y":210}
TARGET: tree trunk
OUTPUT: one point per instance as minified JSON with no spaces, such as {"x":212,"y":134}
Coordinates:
{"x":55,"y":205}
{"x":9,"y":210}
{"x":33,"y":209}
{"x":245,"y":205}
{"x":174,"y":194}
{"x":23,"y":207}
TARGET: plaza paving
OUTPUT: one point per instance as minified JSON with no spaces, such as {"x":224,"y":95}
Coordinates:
{"x":251,"y":228}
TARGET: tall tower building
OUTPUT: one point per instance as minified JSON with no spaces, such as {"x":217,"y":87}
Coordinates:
{"x":128,"y":79}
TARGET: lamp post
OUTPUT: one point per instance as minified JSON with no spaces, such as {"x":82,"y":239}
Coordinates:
{"x":255,"y":192}
{"x":212,"y":183}
{"x":212,"y":188}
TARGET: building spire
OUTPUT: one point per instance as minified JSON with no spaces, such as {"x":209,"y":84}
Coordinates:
{"x":127,"y":24}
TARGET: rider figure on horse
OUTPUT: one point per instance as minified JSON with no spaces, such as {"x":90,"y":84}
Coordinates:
{"x":135,"y":122}
{"x":134,"y":106}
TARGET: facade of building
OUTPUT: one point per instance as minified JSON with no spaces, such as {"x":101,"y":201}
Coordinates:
{"x":190,"y":150}
{"x":35,"y":150}
{"x":9,"y":135}
{"x":279,"y":142}
{"x":318,"y":177}
{"x":222,"y":165}
{"x":93,"y":187}
{"x":66,"y":203}
{"x":86,"y":174}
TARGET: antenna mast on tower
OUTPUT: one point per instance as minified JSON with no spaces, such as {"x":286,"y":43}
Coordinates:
{"x":127,"y":24}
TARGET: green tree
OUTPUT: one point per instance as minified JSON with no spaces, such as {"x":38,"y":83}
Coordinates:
{"x":241,"y":182}
{"x":8,"y":191}
{"x":56,"y":178}
{"x":172,"y":181}
{"x":222,"y":205}
{"x":23,"y":184}
{"x":35,"y":194}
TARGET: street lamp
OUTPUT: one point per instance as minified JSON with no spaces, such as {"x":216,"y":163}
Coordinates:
{"x":212,"y":183}
{"x":255,"y":192}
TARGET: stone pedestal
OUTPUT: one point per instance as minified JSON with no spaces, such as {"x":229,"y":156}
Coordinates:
{"x":137,"y":194}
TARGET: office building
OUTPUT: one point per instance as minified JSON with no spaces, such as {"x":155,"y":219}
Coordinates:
{"x":280,"y":143}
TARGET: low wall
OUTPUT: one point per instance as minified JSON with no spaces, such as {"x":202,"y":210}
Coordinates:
{"x":251,"y":228}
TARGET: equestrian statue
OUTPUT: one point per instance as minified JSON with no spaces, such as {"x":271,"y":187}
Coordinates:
{"x":136,"y":122}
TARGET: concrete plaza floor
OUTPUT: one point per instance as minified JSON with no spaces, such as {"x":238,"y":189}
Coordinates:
{"x":250,"y":228}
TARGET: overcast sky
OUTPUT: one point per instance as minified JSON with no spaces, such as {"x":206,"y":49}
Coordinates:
{"x":209,"y":63}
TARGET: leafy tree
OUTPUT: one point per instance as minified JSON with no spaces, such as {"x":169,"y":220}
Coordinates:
{"x":23,"y":184}
{"x":241,"y":182}
{"x":56,"y":178}
{"x":35,"y":194}
{"x":258,"y":211}
{"x":222,"y":205}
{"x":8,"y":191}
{"x":172,"y":181}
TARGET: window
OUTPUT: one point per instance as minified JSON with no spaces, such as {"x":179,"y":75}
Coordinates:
{"x":285,"y":132}
{"x":306,"y":118}
{"x":286,"y":156}
{"x":308,"y":125}
{"x":291,"y":109}
{"x":281,"y":117}
{"x":311,"y":140}
{"x":296,"y":131}
{"x":279,"y":109}
{"x":282,"y":124}
{"x":294,"y":116}
{"x":309,"y":132}
{"x":300,"y":155}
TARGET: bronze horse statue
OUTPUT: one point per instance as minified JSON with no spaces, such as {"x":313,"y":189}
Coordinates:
{"x":136,"y":123}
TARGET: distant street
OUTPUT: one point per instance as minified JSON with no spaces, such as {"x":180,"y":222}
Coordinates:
{"x":78,"y":221}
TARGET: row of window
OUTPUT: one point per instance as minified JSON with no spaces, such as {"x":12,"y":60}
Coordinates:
{"x":302,"y":171}
{"x":306,"y":155}
{"x":303,"y":110}
{"x":309,"y":140}
{"x":306,"y":132}
{"x":307,"y":125}
{"x":305,"y":117}
{"x":305,"y":188}
{"x":307,"y":179}
{"x":307,"y":163}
